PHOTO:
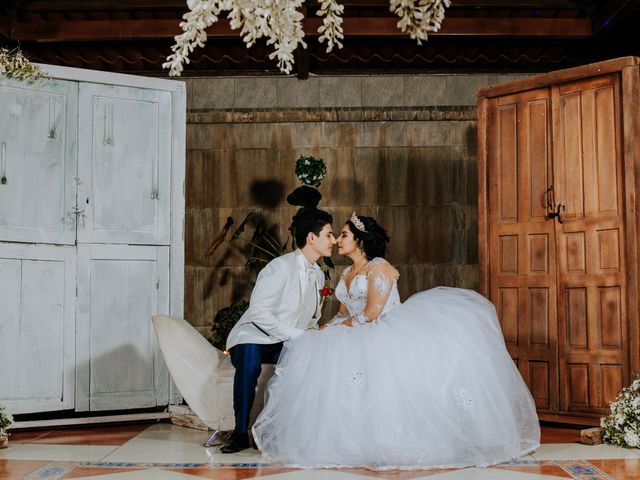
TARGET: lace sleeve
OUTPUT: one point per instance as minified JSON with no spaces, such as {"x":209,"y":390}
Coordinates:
{"x":381,"y":278}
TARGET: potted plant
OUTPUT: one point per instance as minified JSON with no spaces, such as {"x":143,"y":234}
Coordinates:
{"x":6,"y":422}
{"x":622,"y":427}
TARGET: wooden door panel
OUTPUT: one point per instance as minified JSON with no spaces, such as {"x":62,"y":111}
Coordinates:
{"x":576,"y":318}
{"x":539,"y":308}
{"x":522,"y":277}
{"x":605,"y":153}
{"x":573,"y":255}
{"x":507,"y":307}
{"x":538,"y":163}
{"x":507,"y":169}
{"x":610,"y":315}
{"x":572,"y":176}
{"x":538,"y":253}
{"x":608,"y":249}
{"x":509,"y":254}
{"x":577,"y":386}
{"x":592,"y":386}
{"x":590,"y":243}
{"x":539,"y":379}
{"x":612,"y":383}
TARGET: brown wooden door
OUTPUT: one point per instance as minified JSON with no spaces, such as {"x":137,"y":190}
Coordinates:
{"x":522,"y":266}
{"x":593,"y":352}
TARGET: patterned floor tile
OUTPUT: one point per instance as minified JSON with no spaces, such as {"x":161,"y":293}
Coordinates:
{"x":83,"y":472}
{"x":490,"y":474}
{"x":151,"y":474}
{"x":76,"y":453}
{"x":572,"y":451}
{"x":164,"y":443}
{"x":250,"y":456}
{"x":316,"y":475}
{"x":540,"y":468}
{"x":584,"y":470}
{"x":163,"y":451}
{"x":234,"y":473}
{"x":10,"y":469}
{"x":26,"y":436}
{"x":51,"y":471}
{"x":397,"y":474}
{"x":116,"y":435}
{"x":626,"y":469}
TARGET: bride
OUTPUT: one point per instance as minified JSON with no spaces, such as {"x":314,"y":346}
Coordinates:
{"x":391,"y":385}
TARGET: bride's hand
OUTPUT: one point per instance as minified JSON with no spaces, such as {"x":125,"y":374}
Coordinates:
{"x":347,"y":323}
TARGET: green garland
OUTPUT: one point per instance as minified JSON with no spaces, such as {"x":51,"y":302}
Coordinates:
{"x":310,"y":170}
{"x":14,"y":64}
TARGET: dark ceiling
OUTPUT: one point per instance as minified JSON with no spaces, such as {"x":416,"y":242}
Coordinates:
{"x":489,"y":36}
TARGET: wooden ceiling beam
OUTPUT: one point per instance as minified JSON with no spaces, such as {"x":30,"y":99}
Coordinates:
{"x":4,"y":26}
{"x":91,"y":5}
{"x":86,"y":30}
{"x":60,"y":5}
{"x":476,"y":27}
{"x":7,"y":18}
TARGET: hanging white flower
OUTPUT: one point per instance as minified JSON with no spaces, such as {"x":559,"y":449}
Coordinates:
{"x":331,"y":28}
{"x":419,"y":17}
{"x":251,"y":17}
{"x":286,"y":32}
{"x":280,"y":22}
{"x":201,"y":14}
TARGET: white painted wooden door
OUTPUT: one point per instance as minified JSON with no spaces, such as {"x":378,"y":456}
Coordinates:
{"x":38,"y":162}
{"x":119,"y":364}
{"x":37,"y":327}
{"x":125,"y":165}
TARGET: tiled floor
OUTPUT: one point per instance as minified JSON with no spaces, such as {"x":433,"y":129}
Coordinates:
{"x":163,"y":451}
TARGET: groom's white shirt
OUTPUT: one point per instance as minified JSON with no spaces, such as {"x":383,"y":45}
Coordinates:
{"x":277,"y":302}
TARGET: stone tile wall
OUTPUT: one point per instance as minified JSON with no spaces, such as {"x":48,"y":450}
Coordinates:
{"x":400,"y":148}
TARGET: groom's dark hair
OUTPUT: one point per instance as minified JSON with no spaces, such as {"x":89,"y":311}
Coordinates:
{"x":308,"y":220}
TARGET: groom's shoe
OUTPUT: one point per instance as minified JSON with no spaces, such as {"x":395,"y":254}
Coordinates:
{"x":237,"y":442}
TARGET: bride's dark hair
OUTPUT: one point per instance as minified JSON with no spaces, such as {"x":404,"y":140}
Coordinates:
{"x":373,"y":240}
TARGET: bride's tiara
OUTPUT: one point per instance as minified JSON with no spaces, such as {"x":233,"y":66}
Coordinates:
{"x":357,"y":222}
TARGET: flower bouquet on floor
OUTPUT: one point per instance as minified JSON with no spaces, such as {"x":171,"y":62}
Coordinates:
{"x":622,"y":427}
{"x":6,"y":422}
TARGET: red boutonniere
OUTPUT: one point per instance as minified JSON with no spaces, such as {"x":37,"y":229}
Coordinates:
{"x":326,"y":291}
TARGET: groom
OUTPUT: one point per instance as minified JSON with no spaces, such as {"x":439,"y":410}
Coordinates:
{"x":284,"y":303}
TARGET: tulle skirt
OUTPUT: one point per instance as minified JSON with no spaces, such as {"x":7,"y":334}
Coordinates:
{"x":428,"y":384}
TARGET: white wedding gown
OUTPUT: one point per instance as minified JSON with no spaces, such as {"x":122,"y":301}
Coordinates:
{"x":428,"y":383}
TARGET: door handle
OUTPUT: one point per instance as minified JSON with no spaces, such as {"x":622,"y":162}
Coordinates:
{"x":3,"y":163}
{"x":546,"y":198}
{"x":557,"y":213}
{"x":73,"y":215}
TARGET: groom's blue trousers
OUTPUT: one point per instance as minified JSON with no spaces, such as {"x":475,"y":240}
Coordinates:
{"x":247,"y":358}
